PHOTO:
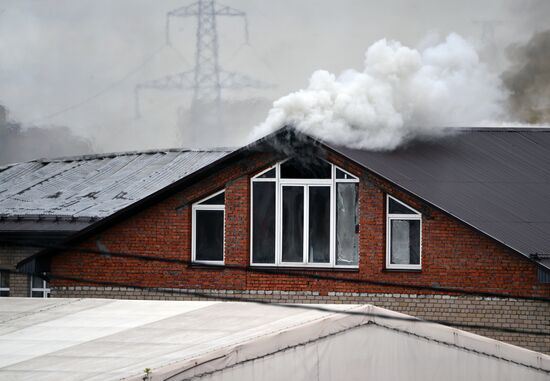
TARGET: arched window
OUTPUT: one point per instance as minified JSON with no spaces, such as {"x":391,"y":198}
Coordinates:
{"x":304,"y":214}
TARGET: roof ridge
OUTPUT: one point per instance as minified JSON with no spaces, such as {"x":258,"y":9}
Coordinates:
{"x":106,"y":155}
{"x":502,"y":129}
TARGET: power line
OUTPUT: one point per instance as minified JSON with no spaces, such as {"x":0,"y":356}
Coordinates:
{"x":206,"y":80}
{"x":99,"y":93}
{"x":278,"y":271}
{"x":285,"y":305}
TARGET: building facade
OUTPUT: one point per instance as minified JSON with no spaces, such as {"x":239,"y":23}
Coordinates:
{"x":305,"y":224}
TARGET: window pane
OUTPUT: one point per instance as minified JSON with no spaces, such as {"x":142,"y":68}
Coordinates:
{"x":293,"y":224}
{"x":405,"y":242}
{"x":4,"y":293}
{"x":216,"y":200}
{"x":398,"y":208}
{"x":263,"y":219}
{"x":268,"y":175}
{"x":346,"y":222}
{"x":209,"y":235}
{"x":319,"y":224}
{"x":4,"y":279}
{"x":37,"y":294}
{"x":295,"y":169}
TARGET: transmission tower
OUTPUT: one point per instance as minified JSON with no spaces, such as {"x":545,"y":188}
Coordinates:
{"x":207,"y":79}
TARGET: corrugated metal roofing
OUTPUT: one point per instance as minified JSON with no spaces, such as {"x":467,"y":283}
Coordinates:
{"x":496,"y":180}
{"x":92,"y":187}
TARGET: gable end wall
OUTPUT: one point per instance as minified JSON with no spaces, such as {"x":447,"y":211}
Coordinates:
{"x":453,"y":255}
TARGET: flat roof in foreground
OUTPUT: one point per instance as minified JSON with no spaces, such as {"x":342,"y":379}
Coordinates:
{"x":99,"y":339}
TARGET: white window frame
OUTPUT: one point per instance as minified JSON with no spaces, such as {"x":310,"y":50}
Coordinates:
{"x":196,"y":206}
{"x":305,"y":183}
{"x":5,"y":289}
{"x":45,"y":290}
{"x":409,"y":217}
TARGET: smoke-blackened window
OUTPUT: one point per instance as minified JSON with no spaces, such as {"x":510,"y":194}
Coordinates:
{"x":304,"y":213}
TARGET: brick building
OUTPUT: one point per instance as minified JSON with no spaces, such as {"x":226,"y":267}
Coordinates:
{"x":454,"y":230}
{"x":42,"y":202}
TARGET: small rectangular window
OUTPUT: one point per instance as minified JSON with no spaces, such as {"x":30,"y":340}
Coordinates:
{"x":346,"y":222}
{"x":39,"y":287}
{"x":319,"y":224}
{"x":208,"y":229}
{"x":209,"y":235}
{"x":263,"y":222}
{"x":4,"y":283}
{"x":404,"y":232}
{"x":293,"y":224}
{"x":405,"y":243}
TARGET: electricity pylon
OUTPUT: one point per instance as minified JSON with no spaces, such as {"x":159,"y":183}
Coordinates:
{"x":207,"y":79}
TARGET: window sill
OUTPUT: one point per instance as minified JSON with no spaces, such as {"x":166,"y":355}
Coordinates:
{"x":398,"y":270}
{"x":206,"y":266}
{"x":273,"y":268}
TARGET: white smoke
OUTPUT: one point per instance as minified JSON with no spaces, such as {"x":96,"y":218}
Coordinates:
{"x":401,"y":94}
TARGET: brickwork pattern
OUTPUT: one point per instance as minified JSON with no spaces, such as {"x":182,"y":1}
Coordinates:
{"x":453,"y":254}
{"x":9,"y":257}
{"x":504,"y":313}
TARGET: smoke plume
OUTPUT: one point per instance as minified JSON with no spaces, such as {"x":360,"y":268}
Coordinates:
{"x":529,"y":79}
{"x":19,"y":143}
{"x":401,"y":94}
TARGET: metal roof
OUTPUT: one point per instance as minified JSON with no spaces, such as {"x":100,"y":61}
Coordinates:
{"x":69,"y":192}
{"x":98,"y":339}
{"x":496,"y":180}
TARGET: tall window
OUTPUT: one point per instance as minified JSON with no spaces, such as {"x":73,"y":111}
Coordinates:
{"x":39,"y":287}
{"x":403,"y":236}
{"x":208,"y":220}
{"x":4,"y":283}
{"x":304,"y":214}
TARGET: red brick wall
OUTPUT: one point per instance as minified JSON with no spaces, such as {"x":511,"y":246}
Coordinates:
{"x":453,"y":254}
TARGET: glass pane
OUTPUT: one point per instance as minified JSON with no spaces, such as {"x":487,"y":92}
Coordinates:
{"x":37,"y":294}
{"x":398,"y":208}
{"x":343,"y":175}
{"x":268,"y":175}
{"x":37,"y":282}
{"x":4,"y":293}
{"x":4,"y":279}
{"x":263,"y":219}
{"x":296,"y":169}
{"x":319,"y":224}
{"x":216,"y":200}
{"x":405,"y":242}
{"x":293,"y":224}
{"x":346,"y":222}
{"x":209,"y":235}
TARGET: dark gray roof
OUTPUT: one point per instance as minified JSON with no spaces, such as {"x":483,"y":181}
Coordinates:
{"x":496,"y":180}
{"x":70,"y":193}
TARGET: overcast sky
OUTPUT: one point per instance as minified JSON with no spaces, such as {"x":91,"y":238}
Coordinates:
{"x":75,"y":63}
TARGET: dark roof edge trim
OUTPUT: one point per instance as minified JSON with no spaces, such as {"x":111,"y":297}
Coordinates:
{"x":441,"y":209}
{"x":164,"y":192}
